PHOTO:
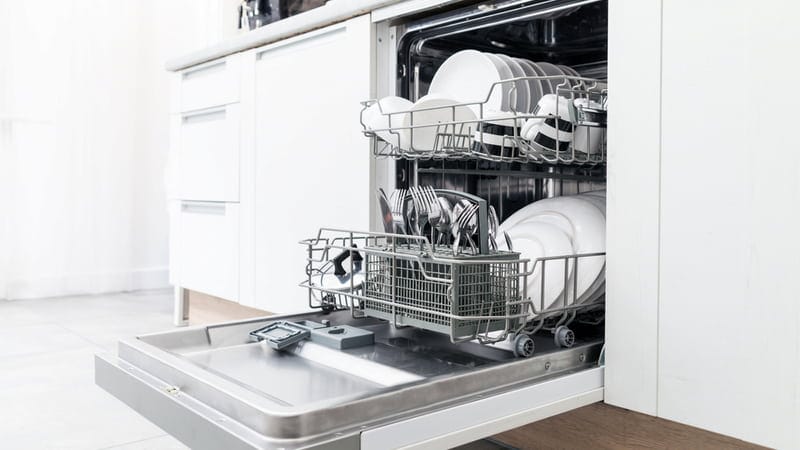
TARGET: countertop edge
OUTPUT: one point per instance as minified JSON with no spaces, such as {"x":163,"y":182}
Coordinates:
{"x":331,"y":13}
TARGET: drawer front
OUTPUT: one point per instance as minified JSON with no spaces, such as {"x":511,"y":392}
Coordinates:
{"x":208,"y":154}
{"x":208,"y":248}
{"x":211,"y":84}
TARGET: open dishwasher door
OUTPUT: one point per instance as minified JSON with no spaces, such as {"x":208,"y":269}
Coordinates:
{"x":212,"y":387}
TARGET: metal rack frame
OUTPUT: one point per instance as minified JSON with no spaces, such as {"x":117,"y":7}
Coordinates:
{"x":411,"y":283}
{"x":464,"y":139}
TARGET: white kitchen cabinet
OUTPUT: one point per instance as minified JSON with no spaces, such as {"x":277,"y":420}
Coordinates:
{"x":208,"y":153}
{"x":703,"y":318}
{"x":206,"y":247}
{"x":729,"y":318}
{"x":312,"y":165}
{"x":209,"y":84}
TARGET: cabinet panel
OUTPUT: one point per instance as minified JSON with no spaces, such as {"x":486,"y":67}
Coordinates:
{"x":210,"y":84}
{"x":207,"y":248}
{"x":634,"y":70}
{"x":729,"y":320}
{"x":208,"y":154}
{"x":312,"y":163}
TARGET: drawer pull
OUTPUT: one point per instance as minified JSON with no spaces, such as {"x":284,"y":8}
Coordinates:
{"x":215,"y":208}
{"x":204,"y":70}
{"x":204,"y":115}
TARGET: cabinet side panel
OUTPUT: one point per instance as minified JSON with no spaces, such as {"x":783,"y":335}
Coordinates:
{"x":634,"y":70}
{"x":730,"y":249}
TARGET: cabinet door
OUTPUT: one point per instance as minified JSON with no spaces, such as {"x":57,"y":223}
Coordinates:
{"x":729,"y":315}
{"x":206,"y":251}
{"x":312,"y":164}
{"x":208,"y":154}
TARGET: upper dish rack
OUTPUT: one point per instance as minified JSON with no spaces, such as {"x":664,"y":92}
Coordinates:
{"x":575,"y":136}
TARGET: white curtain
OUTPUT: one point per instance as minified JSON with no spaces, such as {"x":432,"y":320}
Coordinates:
{"x":84,"y":104}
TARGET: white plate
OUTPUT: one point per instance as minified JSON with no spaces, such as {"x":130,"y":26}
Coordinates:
{"x":538,"y":240}
{"x":534,"y":86}
{"x":377,"y":118}
{"x":523,"y":91}
{"x":569,"y":71}
{"x":589,"y":235}
{"x":597,"y":288}
{"x":596,"y":200}
{"x":424,"y":138}
{"x":467,"y":77}
{"x":547,"y":87}
{"x":509,"y":97}
{"x":553,"y":70}
{"x":597,"y":193}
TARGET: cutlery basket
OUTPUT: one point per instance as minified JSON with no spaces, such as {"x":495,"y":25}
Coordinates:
{"x":403,"y":279}
{"x":463,"y":296}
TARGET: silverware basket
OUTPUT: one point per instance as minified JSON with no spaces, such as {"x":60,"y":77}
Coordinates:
{"x":463,"y":296}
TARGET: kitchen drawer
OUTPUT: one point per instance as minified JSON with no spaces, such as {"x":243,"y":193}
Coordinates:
{"x":210,"y":84}
{"x":208,"y":154}
{"x":207,"y":248}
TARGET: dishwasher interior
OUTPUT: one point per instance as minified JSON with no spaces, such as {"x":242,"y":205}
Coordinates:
{"x":244,"y":394}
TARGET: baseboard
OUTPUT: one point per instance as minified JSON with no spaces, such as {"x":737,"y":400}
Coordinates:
{"x":88,"y":283}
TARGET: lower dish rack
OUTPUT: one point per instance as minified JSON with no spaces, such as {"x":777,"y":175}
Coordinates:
{"x":408,"y":282}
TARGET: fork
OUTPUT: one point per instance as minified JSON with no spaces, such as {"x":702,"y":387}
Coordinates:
{"x":397,"y":203}
{"x":464,"y":226}
{"x":420,"y":209}
{"x":434,"y":210}
{"x":494,"y":222}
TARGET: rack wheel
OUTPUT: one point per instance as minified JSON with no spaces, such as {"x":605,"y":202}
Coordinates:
{"x":328,"y":304}
{"x":523,"y":346}
{"x":564,"y":337}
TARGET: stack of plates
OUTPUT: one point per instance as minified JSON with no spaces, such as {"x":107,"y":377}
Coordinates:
{"x":555,"y":227}
{"x":466,"y":87}
{"x":470,"y":76}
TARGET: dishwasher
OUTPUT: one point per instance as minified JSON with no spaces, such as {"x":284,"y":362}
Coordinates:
{"x":410,"y":342}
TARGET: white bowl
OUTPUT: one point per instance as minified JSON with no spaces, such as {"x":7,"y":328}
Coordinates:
{"x":423,"y":137}
{"x":383,"y":115}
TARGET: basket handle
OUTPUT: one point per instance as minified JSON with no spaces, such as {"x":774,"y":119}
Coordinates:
{"x":338,"y":269}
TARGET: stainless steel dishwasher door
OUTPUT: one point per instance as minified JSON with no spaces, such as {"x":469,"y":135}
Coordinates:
{"x":212,"y":388}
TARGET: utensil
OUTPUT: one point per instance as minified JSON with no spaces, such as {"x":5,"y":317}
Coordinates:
{"x":397,"y":203}
{"x":434,"y":210}
{"x":509,"y":244}
{"x":445,"y":224}
{"x":386,"y":212}
{"x":465,"y":225}
{"x":494,"y":223}
{"x":420,"y":210}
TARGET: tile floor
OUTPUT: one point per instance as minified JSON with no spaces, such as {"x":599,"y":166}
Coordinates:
{"x":48,"y":399}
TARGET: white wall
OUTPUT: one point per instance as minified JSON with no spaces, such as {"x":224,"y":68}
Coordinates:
{"x":84,"y":139}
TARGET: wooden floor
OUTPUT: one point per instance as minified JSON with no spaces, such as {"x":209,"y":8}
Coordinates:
{"x":596,"y":427}
{"x":600,"y":426}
